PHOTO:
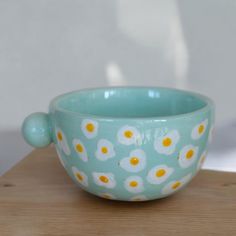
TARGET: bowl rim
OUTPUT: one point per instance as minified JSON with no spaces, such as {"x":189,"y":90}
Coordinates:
{"x":209,"y":104}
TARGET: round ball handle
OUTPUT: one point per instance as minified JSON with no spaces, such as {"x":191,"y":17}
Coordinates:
{"x":36,"y":130}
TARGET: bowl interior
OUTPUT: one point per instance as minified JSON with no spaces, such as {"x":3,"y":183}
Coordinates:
{"x":131,"y":102}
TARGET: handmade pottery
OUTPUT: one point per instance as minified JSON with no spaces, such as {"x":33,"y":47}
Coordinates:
{"x":127,"y":143}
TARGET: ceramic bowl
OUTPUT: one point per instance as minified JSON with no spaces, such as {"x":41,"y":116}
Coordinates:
{"x":126,"y":143}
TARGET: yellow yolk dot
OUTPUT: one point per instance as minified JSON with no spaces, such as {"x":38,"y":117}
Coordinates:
{"x":176,"y":185}
{"x":133,"y":184}
{"x":104,"y":179}
{"x":79,"y":176}
{"x":79,"y":148}
{"x":160,"y":173}
{"x":134,"y":161}
{"x":59,"y":136}
{"x":200,"y":129}
{"x":104,"y":150}
{"x":90,"y":127}
{"x":190,"y":154}
{"x":128,"y":134}
{"x":167,"y":142}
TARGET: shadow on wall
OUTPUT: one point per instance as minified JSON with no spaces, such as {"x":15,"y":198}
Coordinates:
{"x":13,"y":149}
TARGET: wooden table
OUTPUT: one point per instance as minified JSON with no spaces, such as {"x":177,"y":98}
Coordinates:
{"x":38,"y":198}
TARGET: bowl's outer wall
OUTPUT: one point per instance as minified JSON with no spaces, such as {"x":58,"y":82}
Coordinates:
{"x":150,"y":130}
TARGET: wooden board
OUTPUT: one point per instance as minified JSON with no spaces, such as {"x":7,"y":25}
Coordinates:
{"x":38,"y":198}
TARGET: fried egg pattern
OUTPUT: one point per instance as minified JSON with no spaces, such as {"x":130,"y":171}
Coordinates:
{"x":106,"y":180}
{"x":128,"y":135}
{"x":80,"y":149}
{"x":188,"y":155}
{"x":62,"y":141}
{"x":166,"y":143}
{"x":159,"y":174}
{"x":134,"y":184}
{"x":199,"y":130}
{"x":175,"y":185}
{"x":107,"y":196}
{"x":135,"y":162}
{"x":80,"y":176}
{"x":139,"y":198}
{"x":89,"y":128}
{"x":105,"y":150}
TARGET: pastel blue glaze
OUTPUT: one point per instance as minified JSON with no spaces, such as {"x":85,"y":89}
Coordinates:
{"x":36,"y":129}
{"x":152,"y":113}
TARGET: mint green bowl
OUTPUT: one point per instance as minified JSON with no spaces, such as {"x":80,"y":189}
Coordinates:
{"x":126,"y":143}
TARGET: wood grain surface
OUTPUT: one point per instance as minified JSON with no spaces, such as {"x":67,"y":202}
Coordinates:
{"x":38,"y":198}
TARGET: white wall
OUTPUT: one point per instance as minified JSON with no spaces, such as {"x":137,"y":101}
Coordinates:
{"x":51,"y":47}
